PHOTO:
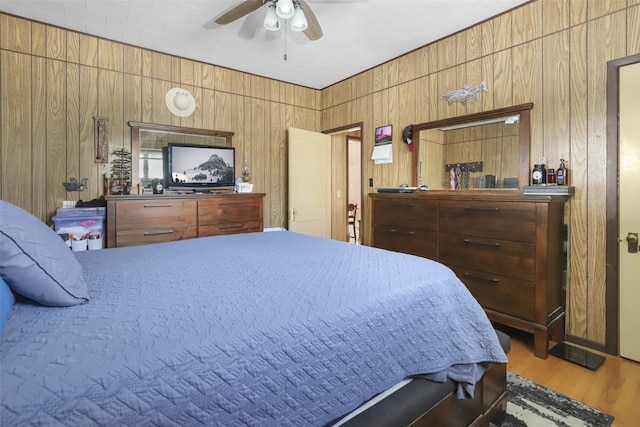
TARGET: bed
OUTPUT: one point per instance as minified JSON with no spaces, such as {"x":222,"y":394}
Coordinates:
{"x":261,"y":329}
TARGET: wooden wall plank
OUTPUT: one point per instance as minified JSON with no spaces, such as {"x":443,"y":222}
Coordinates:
{"x":72,"y":106}
{"x":110,"y":55}
{"x":633,"y":30}
{"x":16,"y":129}
{"x":38,"y":39}
{"x":503,"y":79}
{"x":577,"y":282}
{"x":73,"y":47}
{"x":502,"y":32}
{"x":473,"y":40}
{"x":38,"y":107}
{"x":528,"y":87}
{"x":526,"y":23}
{"x":555,"y":16}
{"x":608,"y":44}
{"x":15,"y":34}
{"x":88,"y":50}
{"x":578,"y":11}
{"x":88,"y":110}
{"x":56,"y":133}
{"x":132,"y":60}
{"x":556,"y":98}
{"x":56,"y":43}
{"x":447,"y":53}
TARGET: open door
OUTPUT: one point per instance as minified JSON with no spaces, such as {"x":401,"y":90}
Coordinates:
{"x":309,"y":207}
{"x":629,"y":206}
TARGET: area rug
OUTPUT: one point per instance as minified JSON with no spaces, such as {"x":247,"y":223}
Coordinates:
{"x":532,"y":405}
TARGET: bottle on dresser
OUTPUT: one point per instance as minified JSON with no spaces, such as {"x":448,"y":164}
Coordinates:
{"x":562,"y":174}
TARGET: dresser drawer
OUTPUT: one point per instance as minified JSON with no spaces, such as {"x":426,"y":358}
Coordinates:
{"x":504,"y":257}
{"x":499,"y":293}
{"x":229,"y":211}
{"x":509,"y":221}
{"x":148,"y":214}
{"x":410,"y":241}
{"x":154,"y":235}
{"x":229,"y":228}
{"x":417,"y":214}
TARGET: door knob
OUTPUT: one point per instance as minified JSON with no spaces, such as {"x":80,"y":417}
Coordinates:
{"x":632,"y":241}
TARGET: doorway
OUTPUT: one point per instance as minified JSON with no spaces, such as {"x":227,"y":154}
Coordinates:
{"x":613,"y":274}
{"x":346,"y":181}
{"x":354,"y":188}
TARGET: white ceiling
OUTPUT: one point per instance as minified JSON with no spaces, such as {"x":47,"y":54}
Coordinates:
{"x":358,"y":34}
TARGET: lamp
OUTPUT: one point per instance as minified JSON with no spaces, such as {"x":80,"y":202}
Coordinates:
{"x":271,"y":22}
{"x":299,"y":22}
{"x":285,"y":9}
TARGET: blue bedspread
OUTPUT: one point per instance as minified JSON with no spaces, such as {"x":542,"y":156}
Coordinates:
{"x":253,"y":329}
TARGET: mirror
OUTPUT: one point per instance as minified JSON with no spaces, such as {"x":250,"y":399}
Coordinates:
{"x":148,"y":141}
{"x":488,"y":150}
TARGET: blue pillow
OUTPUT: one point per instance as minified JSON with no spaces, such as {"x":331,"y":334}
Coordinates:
{"x":6,"y":301}
{"x":36,"y":263}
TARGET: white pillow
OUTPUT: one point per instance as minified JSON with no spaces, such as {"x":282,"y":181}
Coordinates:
{"x":36,"y":263}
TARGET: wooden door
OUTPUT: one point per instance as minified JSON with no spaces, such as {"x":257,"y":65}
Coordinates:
{"x":629,"y":196}
{"x":309,"y":207}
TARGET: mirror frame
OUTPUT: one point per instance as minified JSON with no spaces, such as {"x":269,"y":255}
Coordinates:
{"x":524,"y":138}
{"x":136,"y":127}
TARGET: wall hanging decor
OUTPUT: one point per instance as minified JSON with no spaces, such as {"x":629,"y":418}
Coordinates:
{"x":464,"y":93}
{"x":180,"y":102}
{"x":100,"y":126}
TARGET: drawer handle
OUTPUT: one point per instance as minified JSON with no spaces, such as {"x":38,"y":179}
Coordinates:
{"x":481,"y":208}
{"x":404,"y":205}
{"x":230,"y":203}
{"x":484,"y":279}
{"x":170,"y":205}
{"x":405,"y":232}
{"x":230,"y":227}
{"x":157,"y":233}
{"x":473,"y":242}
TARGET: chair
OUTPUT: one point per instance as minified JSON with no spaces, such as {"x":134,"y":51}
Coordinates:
{"x":352,"y":209}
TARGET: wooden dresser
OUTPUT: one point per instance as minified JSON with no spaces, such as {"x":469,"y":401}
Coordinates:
{"x":139,"y":220}
{"x":506,"y":248}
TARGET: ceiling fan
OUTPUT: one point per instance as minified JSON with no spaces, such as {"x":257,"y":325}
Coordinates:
{"x":302,"y":17}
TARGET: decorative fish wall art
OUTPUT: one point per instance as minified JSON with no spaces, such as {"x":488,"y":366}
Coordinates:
{"x":464,"y":93}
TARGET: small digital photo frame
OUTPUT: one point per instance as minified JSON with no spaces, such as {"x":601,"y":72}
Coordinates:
{"x":384,"y":134}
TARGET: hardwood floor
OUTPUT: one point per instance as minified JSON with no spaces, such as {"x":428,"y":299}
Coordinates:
{"x":613,"y":388}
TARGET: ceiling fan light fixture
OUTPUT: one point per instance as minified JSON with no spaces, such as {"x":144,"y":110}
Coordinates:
{"x":299,"y":21}
{"x":285,"y":9}
{"x":271,"y":22}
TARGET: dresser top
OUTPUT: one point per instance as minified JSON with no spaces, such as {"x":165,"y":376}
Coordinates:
{"x":195,"y":196}
{"x":484,"y":195}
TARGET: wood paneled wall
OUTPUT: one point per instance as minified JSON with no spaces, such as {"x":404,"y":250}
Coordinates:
{"x":552,"y":53}
{"x":54,"y":81}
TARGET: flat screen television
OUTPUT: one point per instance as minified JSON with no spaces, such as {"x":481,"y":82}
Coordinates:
{"x":200,"y":168}
{"x":383,"y":134}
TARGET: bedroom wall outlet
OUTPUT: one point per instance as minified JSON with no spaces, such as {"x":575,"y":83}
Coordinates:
{"x":370,"y":182}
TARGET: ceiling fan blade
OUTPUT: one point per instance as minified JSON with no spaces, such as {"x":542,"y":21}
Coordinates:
{"x":313,"y":31}
{"x":240,"y":10}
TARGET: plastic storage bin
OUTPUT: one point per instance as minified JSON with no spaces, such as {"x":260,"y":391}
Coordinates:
{"x":66,"y":212}
{"x":88,"y":228}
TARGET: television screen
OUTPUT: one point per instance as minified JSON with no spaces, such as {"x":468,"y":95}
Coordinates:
{"x":383,"y":134}
{"x":200,"y":167}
